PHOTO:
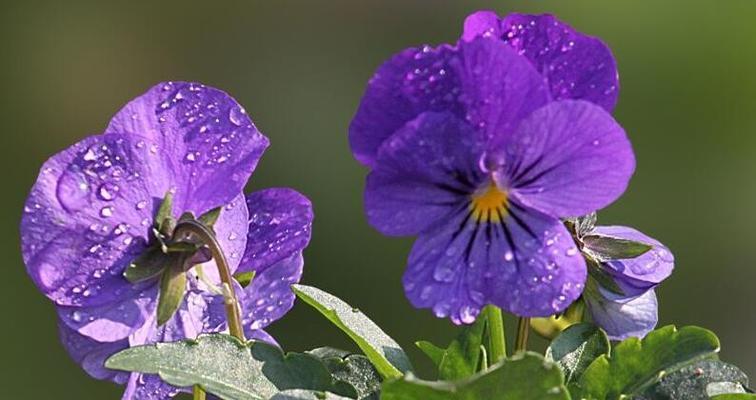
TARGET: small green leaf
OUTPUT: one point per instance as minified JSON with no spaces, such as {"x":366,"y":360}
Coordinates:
{"x":209,"y":218}
{"x":245,"y":278}
{"x":605,"y":248}
{"x":172,"y":290}
{"x":385,"y":354}
{"x":224,"y":366}
{"x":635,"y":365}
{"x":576,"y":348}
{"x":147,"y":266}
{"x":735,"y":396}
{"x":699,"y":381}
{"x":526,"y":376}
{"x":435,"y":353}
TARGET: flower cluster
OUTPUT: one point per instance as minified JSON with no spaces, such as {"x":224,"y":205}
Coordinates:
{"x":98,"y":212}
{"x":483,"y":149}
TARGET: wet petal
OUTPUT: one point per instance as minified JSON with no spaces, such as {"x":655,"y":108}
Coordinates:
{"x":483,"y":82}
{"x":148,"y":387}
{"x":206,"y":141}
{"x":113,"y":321}
{"x":576,"y":66}
{"x":87,"y":217}
{"x":637,"y":275}
{"x":269,"y":296}
{"x":280,"y":223}
{"x":91,"y":354}
{"x":526,"y":263}
{"x":261,"y":335}
{"x":568,"y":158}
{"x":231,"y":232}
{"x":623,"y":317}
{"x":425,"y":171}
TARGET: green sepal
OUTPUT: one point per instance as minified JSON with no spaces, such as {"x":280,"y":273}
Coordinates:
{"x":211,"y":217}
{"x":606,"y":248}
{"x":172,"y":289}
{"x":147,"y":266}
{"x":601,"y":277}
{"x":245,"y":278}
{"x":165,"y":214}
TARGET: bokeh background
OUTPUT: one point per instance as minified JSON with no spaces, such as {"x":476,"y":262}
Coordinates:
{"x":299,"y":67}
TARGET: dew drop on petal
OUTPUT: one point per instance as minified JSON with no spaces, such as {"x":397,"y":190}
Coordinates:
{"x":73,"y":190}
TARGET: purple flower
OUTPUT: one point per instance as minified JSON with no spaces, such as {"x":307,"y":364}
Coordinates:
{"x":475,"y":159}
{"x":417,"y":80}
{"x":92,"y":212}
{"x":628,"y":308}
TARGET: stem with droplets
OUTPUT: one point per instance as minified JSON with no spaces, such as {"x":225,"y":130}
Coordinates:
{"x":192,"y":228}
{"x":497,"y":340}
{"x":523,"y":328}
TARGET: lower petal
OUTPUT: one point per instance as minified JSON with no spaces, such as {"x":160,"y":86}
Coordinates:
{"x":623,"y":317}
{"x":91,"y":354}
{"x":269,"y":296}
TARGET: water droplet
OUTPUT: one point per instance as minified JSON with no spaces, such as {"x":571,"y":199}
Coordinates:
{"x":141,"y":205}
{"x":237,"y":116}
{"x":73,"y":190}
{"x":106,"y":211}
{"x":108,"y":191}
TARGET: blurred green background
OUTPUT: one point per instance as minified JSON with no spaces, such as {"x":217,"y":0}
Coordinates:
{"x":299,"y":67}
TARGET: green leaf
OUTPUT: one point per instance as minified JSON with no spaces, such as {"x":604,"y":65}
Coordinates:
{"x":172,"y":289}
{"x":226,"y":367}
{"x":385,"y":354}
{"x":435,"y":353}
{"x":699,"y":381}
{"x":209,"y":218}
{"x":735,"y":396}
{"x":635,"y":365}
{"x":526,"y":376}
{"x":354,"y":369}
{"x":299,"y":394}
{"x":462,"y":357}
{"x":605,"y":248}
{"x":576,"y":348}
{"x":147,"y":266}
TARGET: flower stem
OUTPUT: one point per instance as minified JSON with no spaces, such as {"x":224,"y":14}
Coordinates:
{"x":199,"y":394}
{"x":523,"y":328}
{"x":207,"y":237}
{"x":233,"y":317}
{"x":498,"y":343}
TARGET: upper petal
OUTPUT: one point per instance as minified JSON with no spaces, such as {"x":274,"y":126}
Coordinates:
{"x":526,"y":264}
{"x":280,"y":225}
{"x":636,"y":275}
{"x":568,"y":158}
{"x":87,"y":216}
{"x":208,"y":144}
{"x":483,"y":82}
{"x":423,"y":172}
{"x":623,"y":317}
{"x":576,"y":66}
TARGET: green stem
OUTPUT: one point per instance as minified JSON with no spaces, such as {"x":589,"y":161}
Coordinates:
{"x":523,"y":328}
{"x":199,"y":394}
{"x":233,"y":317}
{"x":498,"y":343}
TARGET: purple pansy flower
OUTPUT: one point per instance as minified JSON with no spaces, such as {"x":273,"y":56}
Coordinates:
{"x":92,"y":211}
{"x":482,"y":173}
{"x":628,"y":309}
{"x":416,"y":80}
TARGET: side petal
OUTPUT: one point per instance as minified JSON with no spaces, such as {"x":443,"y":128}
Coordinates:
{"x":568,"y":158}
{"x":425,"y":171}
{"x":576,"y":66}
{"x":91,"y":354}
{"x":269,"y":296}
{"x":623,"y":317}
{"x":483,"y":82}
{"x":231,"y":233}
{"x":526,"y":264}
{"x":207,"y":142}
{"x":87,"y":216}
{"x":637,"y":275}
{"x":280,"y":225}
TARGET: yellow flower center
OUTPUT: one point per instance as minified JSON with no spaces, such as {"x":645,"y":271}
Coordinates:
{"x":489,"y":204}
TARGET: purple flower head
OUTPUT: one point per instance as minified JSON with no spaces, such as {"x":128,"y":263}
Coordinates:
{"x":620,"y":293}
{"x":92,"y":213}
{"x":484,"y":182}
{"x":417,"y":80}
